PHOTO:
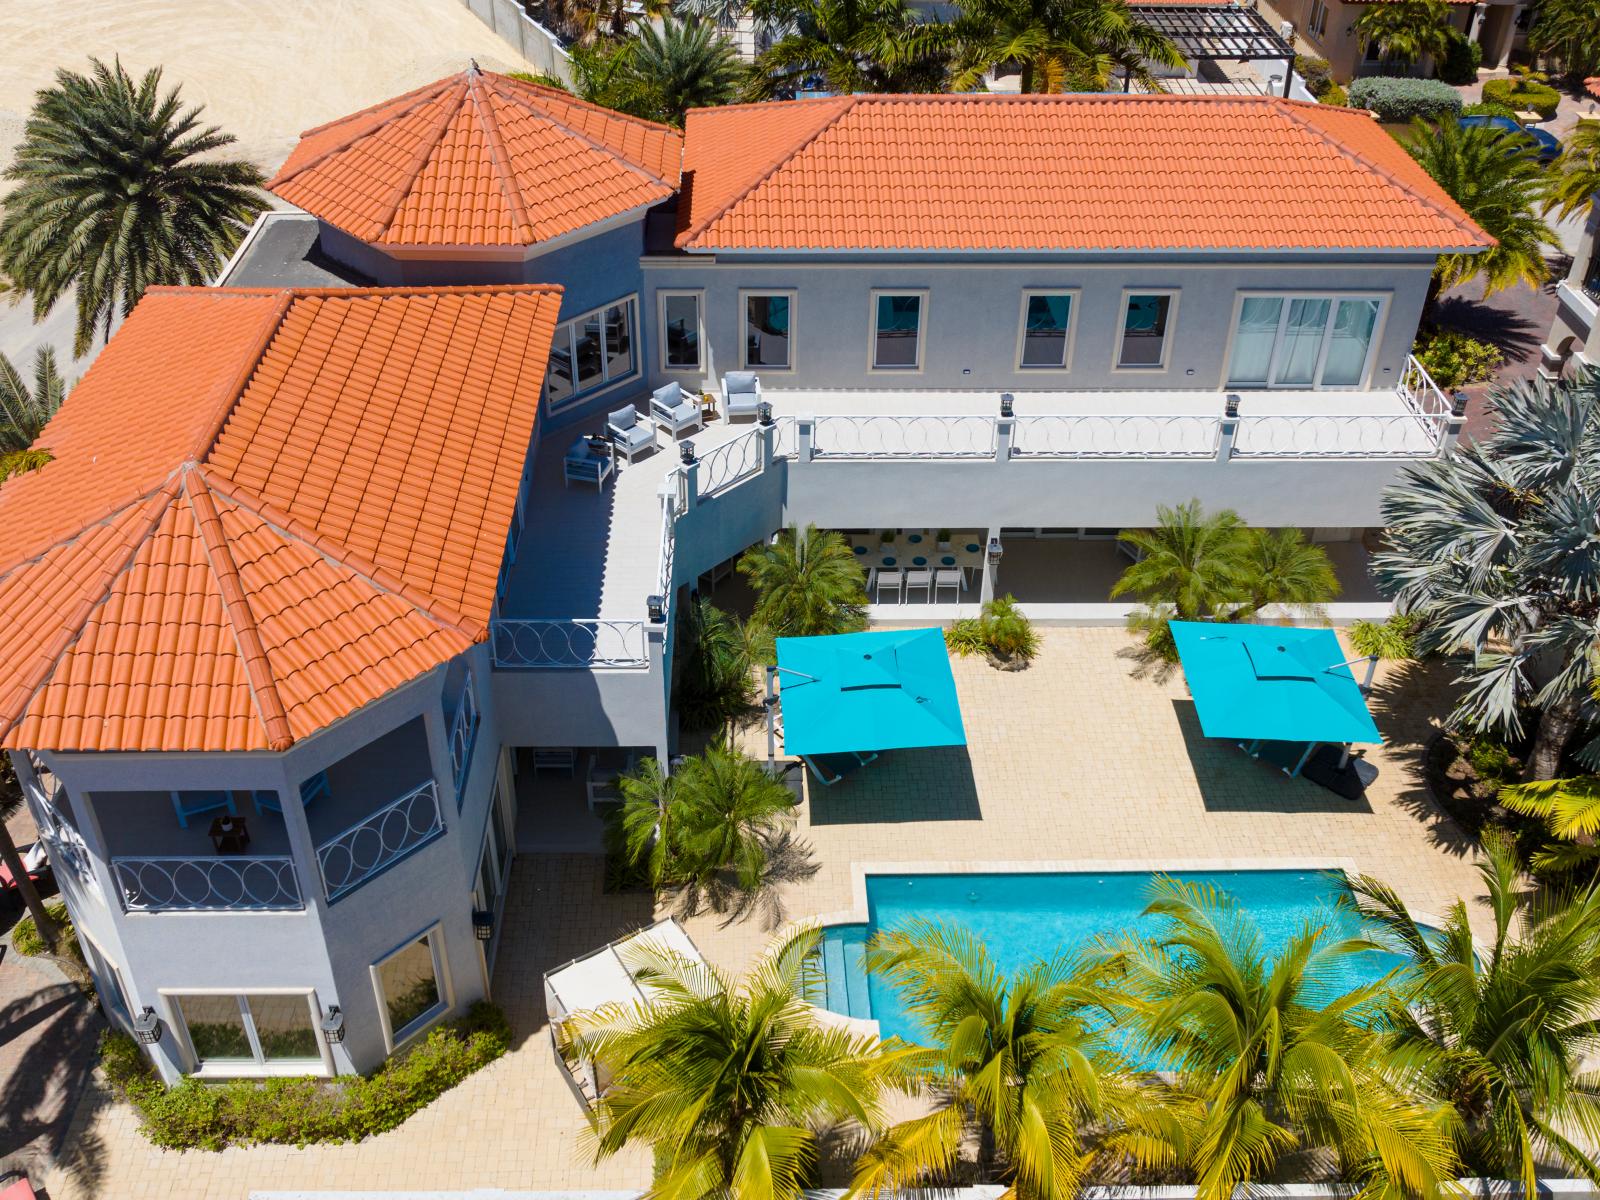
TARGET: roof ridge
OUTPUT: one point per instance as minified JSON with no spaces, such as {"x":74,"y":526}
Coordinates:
{"x":252,"y":650}
{"x":499,"y":156}
{"x":419,"y":158}
{"x":769,"y":170}
{"x":1457,"y":218}
{"x":50,"y":655}
{"x":584,"y":137}
{"x":379,"y":577}
{"x":424,"y":94}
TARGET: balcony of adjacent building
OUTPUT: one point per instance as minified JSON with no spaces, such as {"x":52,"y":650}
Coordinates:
{"x":210,"y":850}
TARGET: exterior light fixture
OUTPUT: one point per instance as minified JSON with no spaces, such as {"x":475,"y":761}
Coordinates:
{"x":333,"y":1025}
{"x":764,"y":412}
{"x":1007,"y":404}
{"x":686,"y":452}
{"x":1458,"y":404}
{"x":996,"y":550}
{"x":656,"y":608}
{"x":482,"y":924}
{"x":147,"y":1027}
{"x":1231,"y":408}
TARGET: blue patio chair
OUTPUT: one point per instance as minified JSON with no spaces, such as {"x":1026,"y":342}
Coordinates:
{"x":315,"y":788}
{"x":192,"y":804}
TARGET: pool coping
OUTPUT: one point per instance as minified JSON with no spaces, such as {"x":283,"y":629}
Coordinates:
{"x":859,"y":913}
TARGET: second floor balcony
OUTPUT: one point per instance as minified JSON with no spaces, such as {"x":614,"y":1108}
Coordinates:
{"x":196,"y":850}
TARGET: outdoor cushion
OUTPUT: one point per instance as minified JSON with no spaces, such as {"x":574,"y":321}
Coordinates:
{"x":735,"y":382}
{"x":668,"y":396}
{"x":624,"y":418}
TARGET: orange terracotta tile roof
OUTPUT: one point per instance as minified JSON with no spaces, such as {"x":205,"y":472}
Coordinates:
{"x":265,"y":509}
{"x":1056,"y":173}
{"x":478,"y":159}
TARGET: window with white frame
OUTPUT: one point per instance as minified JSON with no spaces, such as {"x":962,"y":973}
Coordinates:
{"x":1318,"y":24}
{"x":1303,"y":341}
{"x":1146,"y":323}
{"x":412,"y":993}
{"x":1045,"y":340}
{"x":680,"y":331}
{"x":768,"y":330}
{"x":231,"y":1031}
{"x":591,"y":352}
{"x":897,"y":319}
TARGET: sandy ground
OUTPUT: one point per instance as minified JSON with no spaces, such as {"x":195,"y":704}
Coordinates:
{"x":263,"y":71}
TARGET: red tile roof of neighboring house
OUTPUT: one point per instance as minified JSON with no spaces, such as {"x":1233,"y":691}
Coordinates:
{"x":478,"y":159}
{"x":1056,"y":173}
{"x":265,"y":509}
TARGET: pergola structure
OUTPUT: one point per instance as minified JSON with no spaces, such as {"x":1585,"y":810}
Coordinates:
{"x":1217,"y":32}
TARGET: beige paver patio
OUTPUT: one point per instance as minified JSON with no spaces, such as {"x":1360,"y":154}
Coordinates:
{"x":1071,"y":761}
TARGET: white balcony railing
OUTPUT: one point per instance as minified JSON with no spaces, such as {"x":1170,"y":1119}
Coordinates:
{"x":785,"y":438}
{"x":62,"y":841}
{"x":378,"y":841}
{"x":463,"y":734}
{"x":1116,"y":435}
{"x":1365,"y":435}
{"x":730,"y":463}
{"x":903,"y":437}
{"x":569,"y":645}
{"x":212,"y":884}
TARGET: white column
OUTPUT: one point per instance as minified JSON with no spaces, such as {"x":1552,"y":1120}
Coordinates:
{"x":1475,"y":27}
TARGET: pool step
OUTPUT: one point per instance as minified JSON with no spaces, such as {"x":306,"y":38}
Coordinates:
{"x":858,"y":1000}
{"x":835,"y":997}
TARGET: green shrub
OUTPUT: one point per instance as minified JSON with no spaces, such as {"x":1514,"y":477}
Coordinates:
{"x":300,"y":1111}
{"x":25,"y":937}
{"x":1518,"y":94}
{"x":540,"y":78}
{"x":1492,"y":762}
{"x":965,"y":637}
{"x":1395,"y":99}
{"x":1480,"y":109}
{"x":1454,"y":359}
{"x":1461,"y":62}
{"x":1334,"y":95}
{"x":1002,"y":632}
{"x":1394,"y":638}
{"x":1316,"y":72}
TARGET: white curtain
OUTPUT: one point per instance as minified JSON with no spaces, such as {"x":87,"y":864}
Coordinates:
{"x":1302,"y":341}
{"x":1347,"y":348}
{"x":1254,"y":339}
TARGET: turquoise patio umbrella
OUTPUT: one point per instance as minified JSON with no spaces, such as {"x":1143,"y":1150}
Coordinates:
{"x":1273,"y":683}
{"x":887,"y":689}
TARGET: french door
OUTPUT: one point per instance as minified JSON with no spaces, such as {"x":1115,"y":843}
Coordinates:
{"x":1304,"y":341}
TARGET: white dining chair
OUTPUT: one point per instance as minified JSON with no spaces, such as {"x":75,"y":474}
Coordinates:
{"x":947,"y":577}
{"x":890,"y":581}
{"x":919,"y":579}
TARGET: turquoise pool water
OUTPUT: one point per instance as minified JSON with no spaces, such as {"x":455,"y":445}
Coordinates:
{"x":1022,"y":918}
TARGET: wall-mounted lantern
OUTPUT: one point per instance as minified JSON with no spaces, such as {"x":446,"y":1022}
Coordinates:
{"x":147,"y":1027}
{"x":333,"y":1025}
{"x":482,"y":924}
{"x":996,"y":550}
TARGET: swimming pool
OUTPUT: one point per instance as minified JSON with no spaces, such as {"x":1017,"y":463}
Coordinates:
{"x":1022,"y":918}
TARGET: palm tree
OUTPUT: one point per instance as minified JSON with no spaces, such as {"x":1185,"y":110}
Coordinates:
{"x":1282,"y":568}
{"x":1408,"y":31}
{"x":1575,"y":177}
{"x":1268,"y":1057}
{"x":1494,"y":175}
{"x":807,"y":583}
{"x":1191,"y":566}
{"x":853,"y":45}
{"x":688,"y":64}
{"x":717,"y":812}
{"x":728,"y":1081}
{"x":1510,"y":1027}
{"x":1571,"y":810}
{"x":1018,"y":1057}
{"x":119,"y":188}
{"x":1054,"y":42}
{"x":25,"y":410}
{"x":1490,"y":549}
{"x":1570,"y":31}
{"x":714,"y":683}
{"x":601,"y":19}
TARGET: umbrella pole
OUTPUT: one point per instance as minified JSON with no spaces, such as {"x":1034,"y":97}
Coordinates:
{"x":1344,"y":756}
{"x":772,"y":728}
{"x":1304,"y":758}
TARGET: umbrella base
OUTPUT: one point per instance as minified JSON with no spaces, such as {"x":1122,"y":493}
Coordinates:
{"x":1350,"y":781}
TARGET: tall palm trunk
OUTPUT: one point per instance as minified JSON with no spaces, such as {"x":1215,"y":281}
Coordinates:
{"x":29,"y":893}
{"x":1556,"y":725}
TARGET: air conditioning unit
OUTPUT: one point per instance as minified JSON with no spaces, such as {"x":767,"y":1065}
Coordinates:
{"x":1286,"y":30}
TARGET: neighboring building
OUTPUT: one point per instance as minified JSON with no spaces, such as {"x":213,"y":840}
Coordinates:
{"x":308,"y":552}
{"x":1322,"y":29}
{"x":1574,"y":339}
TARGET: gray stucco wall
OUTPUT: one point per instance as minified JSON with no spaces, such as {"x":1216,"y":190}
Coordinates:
{"x":974,"y":308}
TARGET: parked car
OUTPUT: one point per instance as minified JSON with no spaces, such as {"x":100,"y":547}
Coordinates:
{"x":1548,"y":146}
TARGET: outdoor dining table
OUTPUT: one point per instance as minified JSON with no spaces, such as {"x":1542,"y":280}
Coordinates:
{"x":919,"y":549}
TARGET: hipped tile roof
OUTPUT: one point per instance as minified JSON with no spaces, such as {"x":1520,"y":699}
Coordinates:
{"x":1056,"y":173}
{"x":265,"y":509}
{"x":478,"y":159}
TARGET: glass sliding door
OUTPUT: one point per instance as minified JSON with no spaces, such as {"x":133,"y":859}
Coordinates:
{"x":1303,"y":341}
{"x":1255,"y":339}
{"x":1300,"y":346}
{"x":1350,"y":343}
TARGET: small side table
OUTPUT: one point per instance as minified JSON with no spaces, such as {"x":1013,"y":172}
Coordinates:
{"x":229,"y":835}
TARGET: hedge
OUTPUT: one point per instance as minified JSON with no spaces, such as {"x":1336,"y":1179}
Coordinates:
{"x":1396,"y":99}
{"x":1335,"y":95}
{"x":299,"y":1111}
{"x":1522,"y":93}
{"x":1461,"y":62}
{"x":1488,"y":110}
{"x":1316,"y":72}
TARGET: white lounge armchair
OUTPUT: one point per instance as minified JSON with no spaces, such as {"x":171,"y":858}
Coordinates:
{"x":675,"y":410}
{"x":628,"y":433}
{"x":741,"y":395}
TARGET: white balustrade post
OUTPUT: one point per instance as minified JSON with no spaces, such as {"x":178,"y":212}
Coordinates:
{"x":1453,"y":424}
{"x":1228,"y":429}
{"x":1005,"y":428}
{"x":767,"y":430}
{"x":689,"y":467}
{"x":805,"y":431}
